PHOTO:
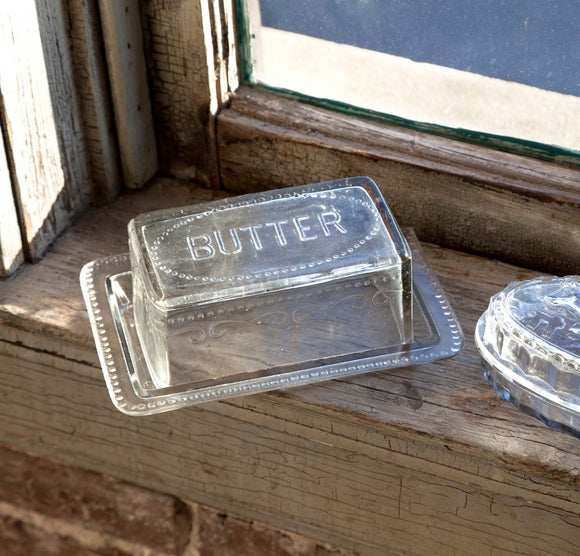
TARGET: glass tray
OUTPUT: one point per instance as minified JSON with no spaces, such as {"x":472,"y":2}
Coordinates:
{"x":107,"y":289}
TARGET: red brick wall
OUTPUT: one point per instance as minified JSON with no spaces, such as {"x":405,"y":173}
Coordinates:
{"x":52,"y":508}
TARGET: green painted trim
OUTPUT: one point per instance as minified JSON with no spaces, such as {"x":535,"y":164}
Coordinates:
{"x":541,"y":151}
{"x":534,"y":149}
{"x":244,"y":42}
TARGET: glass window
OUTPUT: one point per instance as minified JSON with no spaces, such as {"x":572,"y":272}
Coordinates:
{"x":502,"y":72}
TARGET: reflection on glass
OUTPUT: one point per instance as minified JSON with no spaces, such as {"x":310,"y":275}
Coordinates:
{"x":505,"y":68}
{"x":534,"y":43}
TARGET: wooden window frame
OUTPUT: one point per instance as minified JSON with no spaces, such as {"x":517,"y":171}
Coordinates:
{"x":425,"y":458}
{"x":460,"y":195}
{"x":180,"y":97}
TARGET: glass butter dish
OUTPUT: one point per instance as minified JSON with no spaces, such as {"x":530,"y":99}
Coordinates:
{"x":529,"y":341}
{"x":261,"y":292}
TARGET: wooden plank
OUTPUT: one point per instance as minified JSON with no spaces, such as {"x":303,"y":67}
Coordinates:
{"x":91,"y":80}
{"x":11,"y":255}
{"x":56,"y":320}
{"x":308,"y":124}
{"x":295,"y":476}
{"x":469,"y":280}
{"x":123,"y":37}
{"x":190,"y":52}
{"x":44,"y":129}
{"x":420,"y":458}
{"x":457,"y":195}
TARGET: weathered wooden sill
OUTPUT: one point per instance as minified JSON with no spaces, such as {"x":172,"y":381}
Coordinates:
{"x":420,"y":459}
{"x":462,"y":196}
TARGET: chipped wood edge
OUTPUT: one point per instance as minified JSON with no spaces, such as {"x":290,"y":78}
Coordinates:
{"x":43,"y":122}
{"x":11,"y":254}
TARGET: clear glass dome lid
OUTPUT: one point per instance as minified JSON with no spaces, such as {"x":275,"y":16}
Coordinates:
{"x":529,"y":340}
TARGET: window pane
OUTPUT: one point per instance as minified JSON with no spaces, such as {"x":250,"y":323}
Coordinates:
{"x":508,"y":68}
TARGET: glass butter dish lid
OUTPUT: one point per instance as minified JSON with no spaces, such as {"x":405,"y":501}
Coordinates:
{"x":529,"y":341}
{"x":261,"y":292}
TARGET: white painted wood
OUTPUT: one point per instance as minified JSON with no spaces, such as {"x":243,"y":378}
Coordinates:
{"x":222,"y":52}
{"x":230,"y":50}
{"x":253,"y":16}
{"x":43,"y":120}
{"x":11,"y":255}
{"x":123,"y":36}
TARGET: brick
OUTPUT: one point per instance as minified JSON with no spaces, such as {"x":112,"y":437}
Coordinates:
{"x":222,"y":534}
{"x":19,"y":538}
{"x":142,"y":519}
{"x":94,"y":501}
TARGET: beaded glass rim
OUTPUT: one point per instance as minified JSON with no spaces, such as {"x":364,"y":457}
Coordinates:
{"x":184,"y":221}
{"x":446,"y":341}
{"x":525,"y":392}
{"x":500,"y":319}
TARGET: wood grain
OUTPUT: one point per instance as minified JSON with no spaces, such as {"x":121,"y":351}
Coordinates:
{"x":357,"y":495}
{"x":419,"y":459}
{"x":123,"y":38}
{"x":224,"y":49}
{"x":91,"y":81}
{"x":461,"y":196}
{"x":190,"y":53}
{"x":43,"y":120}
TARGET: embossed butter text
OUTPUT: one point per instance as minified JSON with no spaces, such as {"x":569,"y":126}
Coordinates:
{"x":276,"y":233}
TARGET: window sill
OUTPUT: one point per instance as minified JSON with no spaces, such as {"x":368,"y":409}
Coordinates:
{"x":458,"y":195}
{"x":425,"y":457}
